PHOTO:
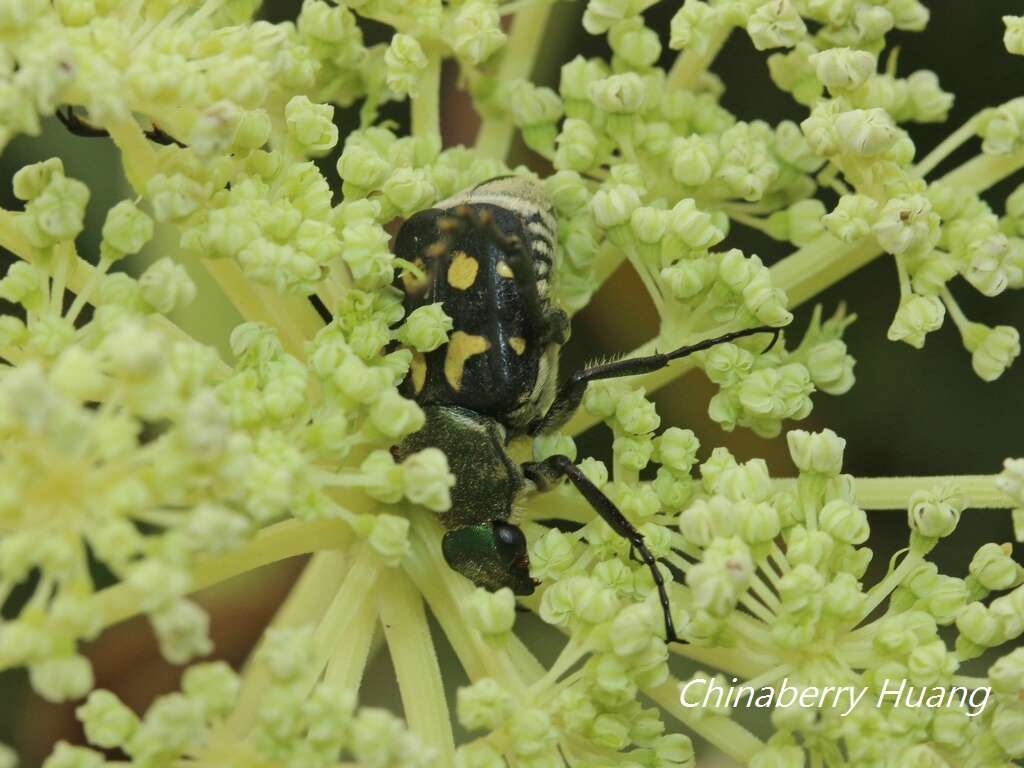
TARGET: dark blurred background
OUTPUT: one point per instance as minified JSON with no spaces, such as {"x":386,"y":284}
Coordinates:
{"x":910,"y":413}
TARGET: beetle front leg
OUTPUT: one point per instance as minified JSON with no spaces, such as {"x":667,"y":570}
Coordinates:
{"x":570,"y":394}
{"x":546,"y":473}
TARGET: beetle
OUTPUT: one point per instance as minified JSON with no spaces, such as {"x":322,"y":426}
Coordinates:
{"x":487,"y":254}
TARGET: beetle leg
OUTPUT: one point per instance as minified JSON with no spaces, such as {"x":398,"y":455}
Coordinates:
{"x":570,"y":394}
{"x":549,"y":324}
{"x":545,"y":473}
{"x":80,"y":127}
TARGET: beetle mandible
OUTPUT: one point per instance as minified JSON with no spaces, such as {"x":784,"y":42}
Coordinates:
{"x":487,"y":255}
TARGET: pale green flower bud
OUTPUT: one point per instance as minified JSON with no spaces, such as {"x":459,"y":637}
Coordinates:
{"x":362,"y":166}
{"x":577,"y":146}
{"x":395,"y":416}
{"x":830,"y":368}
{"x":476,"y":32}
{"x":553,"y":444}
{"x":601,"y":15}
{"x":994,"y":568}
{"x":491,"y":613}
{"x":994,"y":264}
{"x":409,"y":189}
{"x":61,"y":678}
{"x":389,"y":538}
{"x":285,"y":652}
{"x":426,"y":328}
{"x":929,"y":102}
{"x":693,"y":227}
{"x":405,"y":61}
{"x":214,"y":685}
{"x":636,"y":414}
{"x":1008,"y":729}
{"x":779,"y":757}
{"x":618,"y":94}
{"x":816,"y":452}
{"x":865,"y":132}
{"x":1007,"y":674}
{"x":107,"y":721}
{"x":765,"y":301}
{"x":126,"y":229}
{"x":992,"y":350}
{"x":843,"y":68}
{"x":916,"y":317}
{"x":844,"y":522}
{"x":693,"y":25}
{"x":633,"y":452}
{"x":567,"y":191}
{"x":685,"y":279}
{"x":632,"y":629}
{"x":694,"y":160}
{"x":66,"y":756}
{"x":427,"y":480}
{"x":183,"y":631}
{"x":1013,"y":37}
{"x":1001,"y":127}
{"x":531,"y":106}
{"x":635,"y":44}
{"x":649,"y":224}
{"x":30,"y":180}
{"x":483,"y":705}
{"x":552,"y":555}
{"x":852,"y":217}
{"x":59,"y":210}
{"x":758,"y":523}
{"x":166,"y":286}
{"x":613,"y":205}
{"x":23,"y":285}
{"x":776,"y":24}
{"x":535,"y":734}
{"x":935,"y":514}
{"x":311,"y":127}
{"x":577,"y":77}
{"x":677,"y":449}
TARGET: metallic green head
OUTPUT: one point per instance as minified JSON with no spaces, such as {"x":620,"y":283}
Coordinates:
{"x":491,"y":555}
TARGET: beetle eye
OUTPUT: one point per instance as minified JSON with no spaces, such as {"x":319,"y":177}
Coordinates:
{"x":510,"y":540}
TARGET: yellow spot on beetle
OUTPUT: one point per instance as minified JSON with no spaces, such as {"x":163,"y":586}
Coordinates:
{"x":461,"y":347}
{"x":418,"y":368}
{"x":504,"y":269}
{"x":518,"y":343}
{"x":462,"y":271}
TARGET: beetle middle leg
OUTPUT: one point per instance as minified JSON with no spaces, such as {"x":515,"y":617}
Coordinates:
{"x":80,"y":127}
{"x":545,"y":473}
{"x":570,"y":394}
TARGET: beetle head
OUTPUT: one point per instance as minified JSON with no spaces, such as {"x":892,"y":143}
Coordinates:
{"x":491,"y":555}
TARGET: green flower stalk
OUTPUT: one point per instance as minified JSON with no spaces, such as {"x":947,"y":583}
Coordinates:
{"x":128,"y":442}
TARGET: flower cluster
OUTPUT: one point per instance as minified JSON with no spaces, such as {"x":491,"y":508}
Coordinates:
{"x":127,"y":443}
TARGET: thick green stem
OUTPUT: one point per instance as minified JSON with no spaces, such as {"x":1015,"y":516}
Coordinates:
{"x":730,"y":737}
{"x":426,"y":102}
{"x":278,"y":542}
{"x":518,"y":57}
{"x":306,"y":604}
{"x":689,"y":66}
{"x":980,"y":491}
{"x":416,"y":666}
